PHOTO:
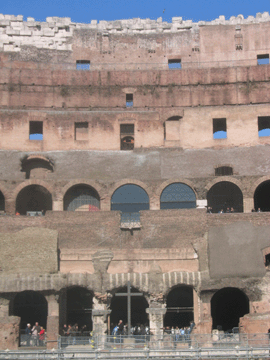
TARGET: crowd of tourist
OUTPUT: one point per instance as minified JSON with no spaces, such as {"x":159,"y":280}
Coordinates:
{"x":34,"y":336}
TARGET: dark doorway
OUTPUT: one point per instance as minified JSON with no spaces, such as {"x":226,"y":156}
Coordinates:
{"x":227,"y":306}
{"x":79,"y":307}
{"x":130,"y":198}
{"x":225,"y":195}
{"x":81,"y":198}
{"x":262,"y":196}
{"x":138,"y":306}
{"x":2,"y":202}
{"x":179,"y":307}
{"x":33,"y":198}
{"x":31,"y":307}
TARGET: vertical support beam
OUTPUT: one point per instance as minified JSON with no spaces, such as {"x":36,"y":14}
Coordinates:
{"x":248,"y":204}
{"x":58,"y":205}
{"x":156,"y":317}
{"x":196,"y":307}
{"x":52,"y":321}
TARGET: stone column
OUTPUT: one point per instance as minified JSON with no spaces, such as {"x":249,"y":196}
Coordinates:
{"x":156,"y":317}
{"x":10,"y":207}
{"x":100,"y":314}
{"x":248,"y":204}
{"x":57,"y":205}
{"x":52,"y":321}
{"x":154,"y":203}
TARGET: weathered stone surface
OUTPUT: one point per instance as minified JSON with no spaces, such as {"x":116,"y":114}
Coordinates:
{"x":9,"y":332}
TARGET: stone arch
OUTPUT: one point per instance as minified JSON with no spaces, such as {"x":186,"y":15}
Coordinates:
{"x":225,"y":194}
{"x":36,"y":166}
{"x":262,"y":196}
{"x":38,"y":199}
{"x":81,"y":197}
{"x":32,"y":182}
{"x":31,"y":306}
{"x":167,"y":183}
{"x":227,"y":306}
{"x":225,"y":178}
{"x":139,"y":183}
{"x":92,"y":183}
{"x":256,"y":185}
{"x":180,"y":306}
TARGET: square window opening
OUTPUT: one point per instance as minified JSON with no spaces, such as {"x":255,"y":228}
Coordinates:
{"x":35,"y":130}
{"x":81,"y":131}
{"x":223,"y":171}
{"x":264,"y":126}
{"x":219,"y":129}
{"x":174,"y":64}
{"x":83,"y":65}
{"x":263,"y":59}
{"x":129,"y":100}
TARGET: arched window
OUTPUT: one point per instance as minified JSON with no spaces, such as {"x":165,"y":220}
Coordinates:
{"x":81,"y":198}
{"x":130,"y":198}
{"x":177,"y":196}
{"x":2,"y":202}
{"x":224,"y":195}
{"x":33,"y":198}
{"x":227,"y":306}
{"x":31,"y":307}
{"x":262,"y":196}
{"x":179,"y":307}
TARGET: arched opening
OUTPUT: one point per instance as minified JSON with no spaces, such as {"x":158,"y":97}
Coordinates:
{"x":79,"y":307}
{"x":2,"y":202}
{"x":227,"y":306}
{"x":33,"y":198}
{"x":130,"y":198}
{"x":225,"y":195}
{"x":177,"y":196}
{"x":262,"y":196}
{"x":31,"y":307}
{"x":179,"y":307}
{"x":119,"y":308}
{"x":81,"y":198}
{"x":36,"y":168}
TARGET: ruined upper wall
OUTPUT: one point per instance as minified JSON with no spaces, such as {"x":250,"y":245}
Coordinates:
{"x":56,"y":33}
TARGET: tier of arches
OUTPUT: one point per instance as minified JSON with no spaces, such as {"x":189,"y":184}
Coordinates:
{"x":135,"y":196}
{"x":76,"y":304}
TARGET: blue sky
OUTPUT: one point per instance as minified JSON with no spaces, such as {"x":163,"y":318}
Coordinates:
{"x":86,"y":10}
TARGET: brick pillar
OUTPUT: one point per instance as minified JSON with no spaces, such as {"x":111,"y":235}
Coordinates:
{"x":10,"y":207}
{"x":52,"y":321}
{"x":10,"y":327}
{"x":248,"y":204}
{"x":57,"y":205}
{"x":105,"y":204}
{"x":154,"y":203}
{"x":156,"y":317}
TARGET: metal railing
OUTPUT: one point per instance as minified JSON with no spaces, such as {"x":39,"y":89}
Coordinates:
{"x":130,"y":220}
{"x":168,"y":341}
{"x":30,"y":340}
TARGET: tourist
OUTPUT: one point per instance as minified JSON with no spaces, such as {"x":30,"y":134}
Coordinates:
{"x":35,"y":333}
{"x":28,"y":333}
{"x":41,"y":336}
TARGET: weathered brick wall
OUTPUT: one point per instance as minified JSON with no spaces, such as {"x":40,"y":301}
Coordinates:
{"x":174,"y":229}
{"x":28,"y":249}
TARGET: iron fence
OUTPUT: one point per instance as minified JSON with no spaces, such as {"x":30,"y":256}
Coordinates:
{"x":130,"y":220}
{"x":30,"y":340}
